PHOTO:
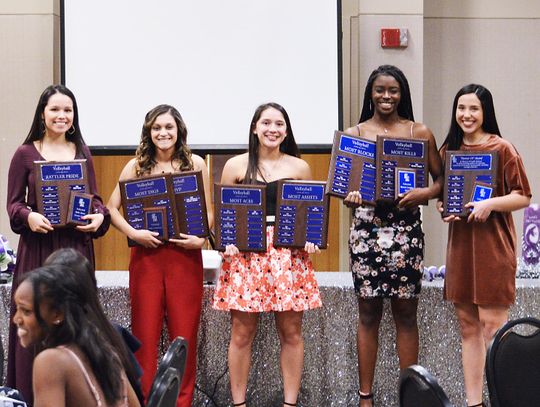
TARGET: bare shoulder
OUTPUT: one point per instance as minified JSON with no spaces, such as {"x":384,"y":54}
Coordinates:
{"x":198,"y":162}
{"x":353,"y":131}
{"x":234,"y":169}
{"x":237,"y":163}
{"x":299,"y":167}
{"x":129,"y":170}
{"x":421,"y":131}
{"x":52,"y":357}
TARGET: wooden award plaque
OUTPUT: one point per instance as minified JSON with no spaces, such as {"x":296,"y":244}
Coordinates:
{"x":149,"y":192}
{"x":80,"y":204}
{"x":392,"y":153}
{"x":301,"y":214}
{"x":190,"y":203}
{"x":240,"y":216}
{"x":468,"y":176}
{"x":352,"y":167}
{"x":55,"y":180}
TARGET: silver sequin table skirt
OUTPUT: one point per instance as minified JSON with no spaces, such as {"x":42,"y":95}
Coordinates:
{"x":330,"y":370}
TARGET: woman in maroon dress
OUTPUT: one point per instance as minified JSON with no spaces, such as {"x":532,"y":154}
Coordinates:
{"x":54,"y":136}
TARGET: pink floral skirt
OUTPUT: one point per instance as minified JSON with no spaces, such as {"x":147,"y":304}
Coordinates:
{"x":281,"y":279}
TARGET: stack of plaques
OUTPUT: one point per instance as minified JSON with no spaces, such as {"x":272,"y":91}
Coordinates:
{"x":62,"y":191}
{"x":470,"y":176}
{"x":301,"y":214}
{"x":240,"y":216}
{"x":379,"y":170}
{"x":168,"y":204}
{"x":352,"y":167}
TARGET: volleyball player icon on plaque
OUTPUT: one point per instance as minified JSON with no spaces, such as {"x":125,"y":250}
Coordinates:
{"x":405,"y":181}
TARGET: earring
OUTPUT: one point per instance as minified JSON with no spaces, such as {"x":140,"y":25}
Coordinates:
{"x":71,"y":131}
{"x":57,"y":322}
{"x":42,"y":126}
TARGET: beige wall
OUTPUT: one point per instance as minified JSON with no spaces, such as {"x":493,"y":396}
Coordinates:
{"x":494,"y":44}
{"x":29,"y":33}
{"x":451,"y":43}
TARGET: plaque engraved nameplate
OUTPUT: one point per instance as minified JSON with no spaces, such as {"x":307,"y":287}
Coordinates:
{"x":392,"y":153}
{"x":405,"y":180}
{"x":155,"y":220}
{"x":301,"y":214}
{"x":468,"y":176}
{"x":80,"y":204}
{"x":352,"y":167}
{"x":240,"y":216}
{"x":55,"y":180}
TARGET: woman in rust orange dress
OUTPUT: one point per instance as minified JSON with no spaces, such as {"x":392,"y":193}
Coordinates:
{"x":481,"y":253}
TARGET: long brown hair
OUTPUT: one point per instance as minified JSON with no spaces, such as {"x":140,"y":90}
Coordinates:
{"x":146,"y":152}
{"x":37,"y":130}
{"x":288,"y":146}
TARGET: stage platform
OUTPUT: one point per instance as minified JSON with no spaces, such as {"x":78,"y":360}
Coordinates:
{"x":330,"y":373}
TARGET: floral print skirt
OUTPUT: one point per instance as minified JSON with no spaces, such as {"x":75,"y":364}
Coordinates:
{"x":281,"y":279}
{"x":386,"y":246}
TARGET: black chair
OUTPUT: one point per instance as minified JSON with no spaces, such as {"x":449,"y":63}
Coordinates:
{"x":165,"y":389}
{"x":513,"y":365}
{"x":418,"y":388}
{"x":175,"y":358}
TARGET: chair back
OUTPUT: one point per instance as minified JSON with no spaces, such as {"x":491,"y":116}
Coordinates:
{"x":418,"y":388}
{"x":175,"y":358}
{"x":166,"y":389}
{"x":513,"y":365}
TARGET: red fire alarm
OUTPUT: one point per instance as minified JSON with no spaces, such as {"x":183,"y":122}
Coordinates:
{"x":394,"y":37}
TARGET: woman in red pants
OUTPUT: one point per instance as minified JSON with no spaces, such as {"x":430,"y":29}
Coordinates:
{"x":165,"y":279}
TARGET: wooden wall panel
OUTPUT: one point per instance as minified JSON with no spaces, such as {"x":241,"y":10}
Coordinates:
{"x":112,"y":252}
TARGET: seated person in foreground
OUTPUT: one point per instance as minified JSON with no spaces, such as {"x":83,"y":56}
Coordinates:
{"x":76,"y":365}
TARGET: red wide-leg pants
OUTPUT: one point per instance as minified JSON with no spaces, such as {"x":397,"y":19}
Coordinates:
{"x":166,"y":282}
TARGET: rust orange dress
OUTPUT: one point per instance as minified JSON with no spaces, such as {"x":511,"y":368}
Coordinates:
{"x":481,"y":257}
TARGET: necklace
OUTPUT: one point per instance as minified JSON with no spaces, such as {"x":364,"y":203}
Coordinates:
{"x":269,"y":170}
{"x":160,"y":168}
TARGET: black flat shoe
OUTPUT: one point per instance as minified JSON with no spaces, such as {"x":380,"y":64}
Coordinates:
{"x":243,"y":403}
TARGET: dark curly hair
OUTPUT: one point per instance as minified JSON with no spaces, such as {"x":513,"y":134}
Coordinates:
{"x":404,"y":108}
{"x":146,"y":152}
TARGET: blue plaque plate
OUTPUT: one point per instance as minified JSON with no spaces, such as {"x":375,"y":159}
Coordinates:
{"x":470,"y":162}
{"x":80,"y":205}
{"x":145,"y":188}
{"x":481,"y":192}
{"x":356,"y":146}
{"x":185,"y":184}
{"x":240,"y":196}
{"x":303,"y":192}
{"x":405,"y":180}
{"x":401,"y":148}
{"x":61,"y":172}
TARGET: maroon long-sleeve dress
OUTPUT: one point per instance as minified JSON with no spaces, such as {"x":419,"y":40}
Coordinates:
{"x":34,"y":248}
